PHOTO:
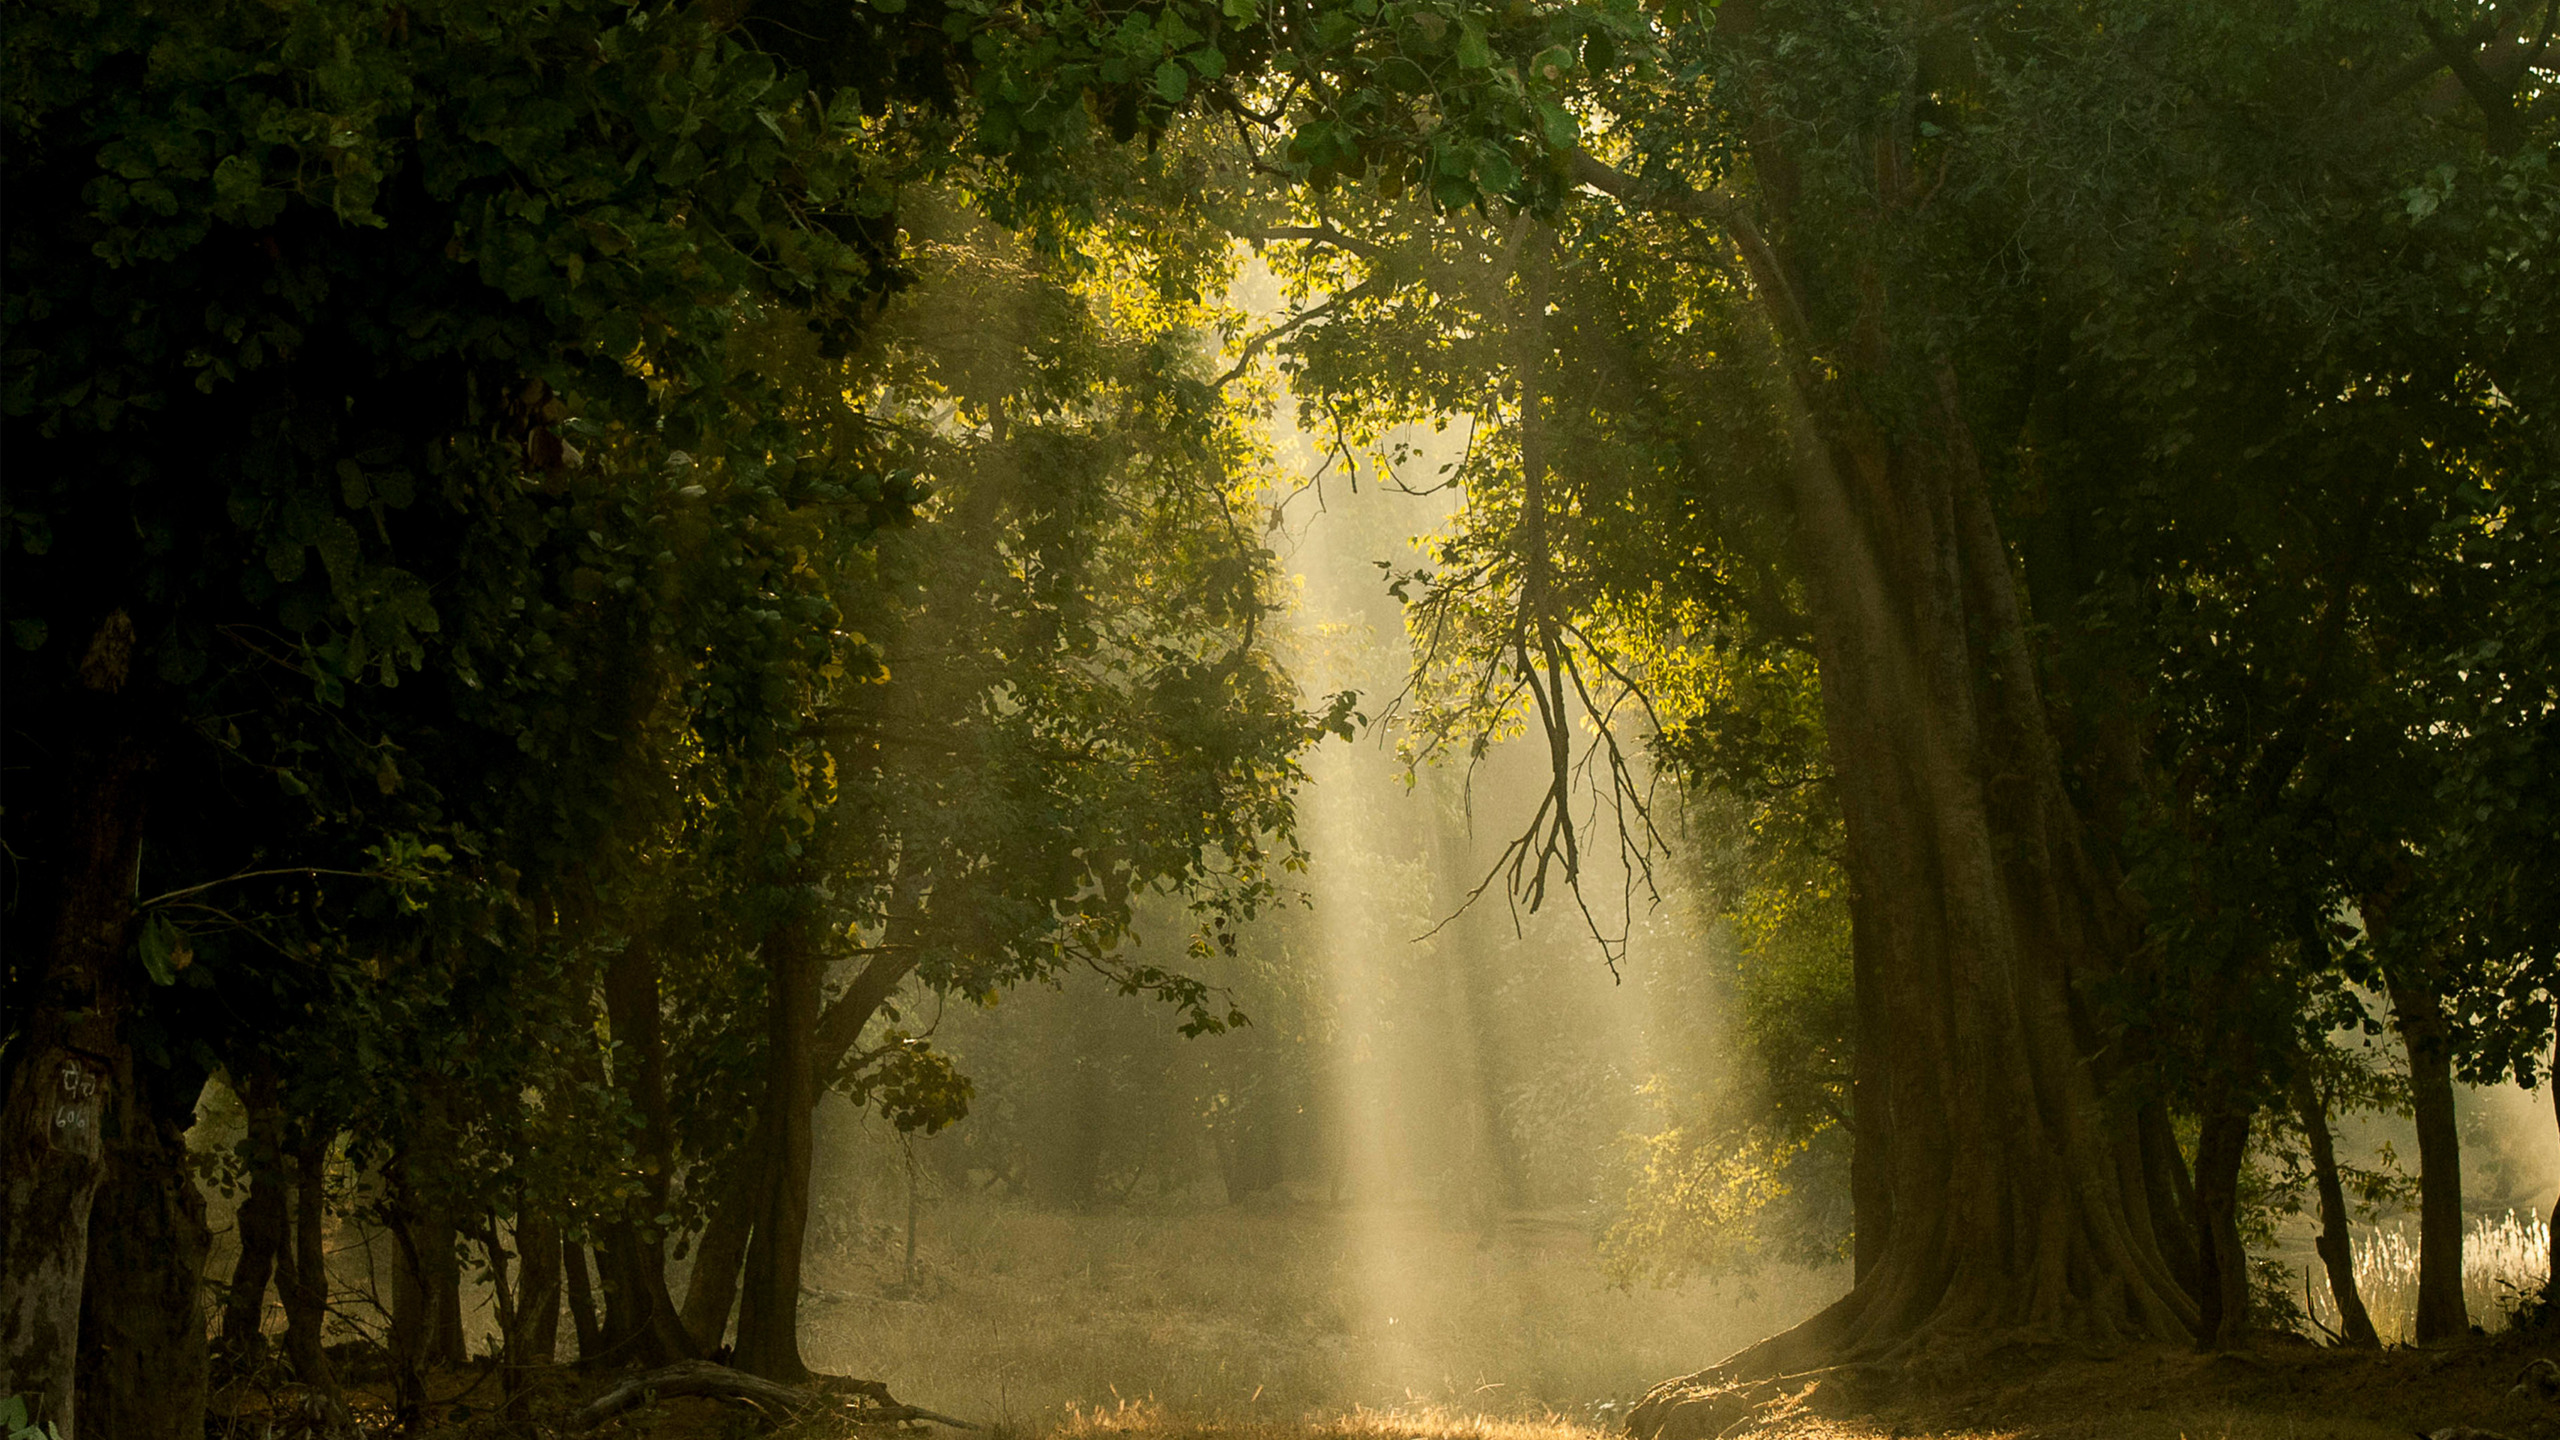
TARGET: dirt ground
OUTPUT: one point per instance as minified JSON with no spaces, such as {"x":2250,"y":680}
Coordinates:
{"x":2281,"y":1391}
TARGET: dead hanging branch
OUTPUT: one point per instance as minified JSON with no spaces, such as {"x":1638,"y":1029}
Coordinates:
{"x":1564,"y":671}
{"x":864,"y":1402}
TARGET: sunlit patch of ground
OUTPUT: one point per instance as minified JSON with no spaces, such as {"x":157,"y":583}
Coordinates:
{"x":1266,"y":1313}
{"x":2287,"y":1392}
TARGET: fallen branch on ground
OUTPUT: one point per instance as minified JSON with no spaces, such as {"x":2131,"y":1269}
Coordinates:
{"x":702,"y":1377}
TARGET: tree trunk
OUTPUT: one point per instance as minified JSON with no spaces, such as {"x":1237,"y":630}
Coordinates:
{"x":769,"y":1311}
{"x":2018,"y":1194}
{"x":142,"y":1332}
{"x":642,"y":1325}
{"x":2336,"y":1243}
{"x":265,"y":1223}
{"x":408,"y":1337}
{"x":443,"y":1278}
{"x":426,"y":1294}
{"x":764,"y":1217}
{"x":712,"y":1292}
{"x":55,"y":1093}
{"x":305,"y":1281}
{"x":2415,"y":1012}
{"x":2221,"y":1148}
{"x":1870,"y":1116}
{"x":2012,"y":1169}
{"x":536,"y":1333}
{"x":502,"y":1294}
{"x":582,"y":1303}
{"x":2169,"y":1195}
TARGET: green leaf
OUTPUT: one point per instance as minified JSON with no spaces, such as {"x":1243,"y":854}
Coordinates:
{"x":1473,"y":51}
{"x":1172,"y":82}
{"x":165,"y":950}
{"x":1561,"y":130}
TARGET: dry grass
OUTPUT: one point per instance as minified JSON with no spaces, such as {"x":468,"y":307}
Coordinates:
{"x":1264,"y":1314}
{"x":2503,"y":1257}
{"x":2294,"y":1392}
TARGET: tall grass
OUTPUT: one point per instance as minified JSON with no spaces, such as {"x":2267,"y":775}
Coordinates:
{"x":2503,"y":1257}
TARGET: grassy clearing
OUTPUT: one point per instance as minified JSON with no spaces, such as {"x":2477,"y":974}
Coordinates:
{"x":1264,"y":1314}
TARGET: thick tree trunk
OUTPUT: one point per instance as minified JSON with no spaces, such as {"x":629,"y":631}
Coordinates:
{"x":56,"y":1093}
{"x":2019,"y":1196}
{"x":2222,"y":1147}
{"x":2419,"y":1017}
{"x":2018,"y":1190}
{"x":143,"y":1356}
{"x":2336,"y":1242}
{"x":769,"y":1309}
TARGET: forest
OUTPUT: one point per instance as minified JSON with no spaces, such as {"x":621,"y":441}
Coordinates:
{"x":1869,"y":683}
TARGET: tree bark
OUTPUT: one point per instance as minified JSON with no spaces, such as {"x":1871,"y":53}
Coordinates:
{"x":142,"y":1332}
{"x":2017,"y":1186}
{"x":265,"y":1225}
{"x":582,"y":1303}
{"x":443,"y":1280}
{"x":2168,"y":1193}
{"x":2419,"y":1017}
{"x":426,"y":1294}
{"x":763,"y":1217}
{"x":769,"y":1310}
{"x":2221,"y":1148}
{"x":536,"y":1333}
{"x":305,"y":1281}
{"x":642,"y":1325}
{"x":712,"y":1293}
{"x":2017,"y":1193}
{"x":2336,"y":1242}
{"x":1870,"y":1112}
{"x":60,"y":1070}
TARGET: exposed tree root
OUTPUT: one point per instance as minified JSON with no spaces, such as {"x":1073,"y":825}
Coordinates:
{"x":861,"y":1401}
{"x":1700,"y":1407}
{"x":1785,"y":1368}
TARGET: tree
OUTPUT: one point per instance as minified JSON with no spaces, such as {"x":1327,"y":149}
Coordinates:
{"x":1990,"y":741}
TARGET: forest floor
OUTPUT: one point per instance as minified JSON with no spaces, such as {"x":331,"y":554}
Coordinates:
{"x":2280,"y":1391}
{"x":1308,"y":1322}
